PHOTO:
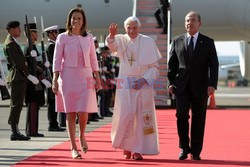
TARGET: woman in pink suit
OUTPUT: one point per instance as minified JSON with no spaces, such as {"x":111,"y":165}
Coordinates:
{"x":73,"y":83}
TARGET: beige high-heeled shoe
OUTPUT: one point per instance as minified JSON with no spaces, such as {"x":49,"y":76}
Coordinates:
{"x":84,"y":146}
{"x":76,"y":154}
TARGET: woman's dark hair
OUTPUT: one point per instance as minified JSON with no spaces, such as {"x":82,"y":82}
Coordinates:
{"x":84,"y":25}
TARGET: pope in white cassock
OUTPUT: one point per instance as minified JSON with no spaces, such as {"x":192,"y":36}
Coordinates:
{"x":134,"y":124}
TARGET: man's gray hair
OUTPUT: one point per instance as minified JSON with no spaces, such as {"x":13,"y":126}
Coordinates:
{"x":132,"y":18}
{"x":194,"y":13}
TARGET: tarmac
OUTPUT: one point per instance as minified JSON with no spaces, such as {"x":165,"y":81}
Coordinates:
{"x":12,"y":152}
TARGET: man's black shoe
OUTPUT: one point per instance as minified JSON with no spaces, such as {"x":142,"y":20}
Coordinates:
{"x":184,"y":154}
{"x":36,"y":135}
{"x":18,"y":136}
{"x":195,"y":157}
{"x":56,"y":129}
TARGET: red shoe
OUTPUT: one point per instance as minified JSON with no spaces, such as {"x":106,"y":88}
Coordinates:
{"x":137,"y":156}
{"x":127,"y":154}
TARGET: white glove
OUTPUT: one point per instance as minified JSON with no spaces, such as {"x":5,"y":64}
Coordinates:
{"x":113,"y":70}
{"x":47,"y":64}
{"x":104,"y":78}
{"x":33,"y":53}
{"x":104,"y":68}
{"x":2,"y":82}
{"x":113,"y":82}
{"x":46,"y":83}
{"x":33,"y":79}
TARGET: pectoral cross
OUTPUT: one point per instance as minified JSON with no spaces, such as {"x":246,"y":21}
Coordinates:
{"x":131,"y":60}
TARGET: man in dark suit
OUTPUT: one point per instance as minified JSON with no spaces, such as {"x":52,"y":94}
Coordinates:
{"x":17,"y":78}
{"x":193,"y":75}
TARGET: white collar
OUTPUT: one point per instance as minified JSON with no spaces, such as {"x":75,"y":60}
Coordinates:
{"x":195,"y":35}
{"x":50,"y":40}
{"x":14,"y":39}
{"x":133,"y":40}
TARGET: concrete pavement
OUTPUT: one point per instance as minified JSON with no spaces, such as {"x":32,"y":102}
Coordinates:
{"x":12,"y":152}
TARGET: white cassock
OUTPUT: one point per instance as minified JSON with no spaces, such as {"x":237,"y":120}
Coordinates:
{"x":134,"y":124}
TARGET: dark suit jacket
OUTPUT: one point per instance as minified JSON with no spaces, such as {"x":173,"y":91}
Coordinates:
{"x":18,"y":67}
{"x":198,"y":73}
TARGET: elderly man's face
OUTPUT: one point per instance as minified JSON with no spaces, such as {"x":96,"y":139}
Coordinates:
{"x":192,"y":24}
{"x":132,"y":29}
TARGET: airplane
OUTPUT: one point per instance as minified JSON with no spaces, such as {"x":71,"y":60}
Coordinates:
{"x":229,"y":70}
{"x":229,"y":61}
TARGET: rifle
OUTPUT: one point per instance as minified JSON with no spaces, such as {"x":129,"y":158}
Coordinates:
{"x":3,"y":89}
{"x":31,"y":50}
{"x":28,"y":34}
{"x":44,"y":55}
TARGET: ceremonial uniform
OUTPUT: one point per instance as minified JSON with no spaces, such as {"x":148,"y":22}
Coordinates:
{"x":17,"y":79}
{"x":35,"y":97}
{"x":52,"y":114}
{"x":107,"y":76}
{"x":115,"y":70}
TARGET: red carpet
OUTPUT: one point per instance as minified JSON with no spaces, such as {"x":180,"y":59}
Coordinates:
{"x":227,"y":143}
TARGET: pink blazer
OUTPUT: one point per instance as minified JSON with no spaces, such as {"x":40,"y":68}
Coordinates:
{"x":66,"y":51}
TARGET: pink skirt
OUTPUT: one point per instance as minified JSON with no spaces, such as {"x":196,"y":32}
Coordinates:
{"x":76,"y":91}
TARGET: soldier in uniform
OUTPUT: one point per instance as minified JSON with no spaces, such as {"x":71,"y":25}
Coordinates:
{"x":94,"y":116}
{"x":115,"y":70}
{"x":17,"y":78}
{"x":35,"y":97}
{"x":107,"y":76}
{"x":52,"y":33}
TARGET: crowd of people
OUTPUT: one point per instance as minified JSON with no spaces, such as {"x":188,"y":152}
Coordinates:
{"x":79,"y":76}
